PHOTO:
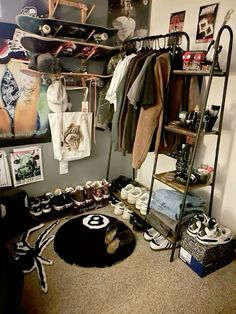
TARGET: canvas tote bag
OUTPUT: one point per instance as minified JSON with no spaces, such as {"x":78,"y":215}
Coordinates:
{"x":71,"y":134}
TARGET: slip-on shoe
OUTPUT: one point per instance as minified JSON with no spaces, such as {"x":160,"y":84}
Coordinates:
{"x":112,"y":230}
{"x":121,"y":241}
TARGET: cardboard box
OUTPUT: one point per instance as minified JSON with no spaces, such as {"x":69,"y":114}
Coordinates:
{"x":201,"y":269}
{"x":206,"y":254}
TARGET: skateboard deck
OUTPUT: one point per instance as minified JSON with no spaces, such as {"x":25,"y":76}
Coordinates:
{"x":73,"y":48}
{"x":64,"y":29}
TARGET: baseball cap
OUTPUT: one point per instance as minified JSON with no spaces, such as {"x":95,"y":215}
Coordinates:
{"x":57,"y":97}
{"x":125,"y":25}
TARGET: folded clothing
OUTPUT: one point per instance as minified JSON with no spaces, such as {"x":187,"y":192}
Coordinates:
{"x":168,"y":202}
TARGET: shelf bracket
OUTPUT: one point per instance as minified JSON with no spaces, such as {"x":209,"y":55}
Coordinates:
{"x":53,"y":4}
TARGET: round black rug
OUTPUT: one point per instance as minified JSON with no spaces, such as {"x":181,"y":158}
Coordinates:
{"x":81,"y":241}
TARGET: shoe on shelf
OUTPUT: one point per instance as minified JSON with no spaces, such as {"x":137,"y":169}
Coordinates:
{"x":34,"y":202}
{"x":134,"y":195}
{"x":45,"y":199}
{"x":78,"y":196}
{"x":67,"y":197}
{"x":138,"y":223}
{"x":126,"y":190}
{"x":106,"y":188}
{"x":143,"y":198}
{"x":58,"y":201}
{"x":119,"y":208}
{"x":214,"y":234}
{"x":46,"y":208}
{"x":144,"y":207}
{"x":195,"y":224}
{"x":88,"y":192}
{"x":34,"y":205}
{"x":160,"y":243}
{"x":36,"y":211}
{"x":150,"y":233}
{"x":97,"y":191}
{"x":127,"y":213}
{"x":119,"y":183}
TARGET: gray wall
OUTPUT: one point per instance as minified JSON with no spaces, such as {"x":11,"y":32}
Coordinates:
{"x":90,"y":168}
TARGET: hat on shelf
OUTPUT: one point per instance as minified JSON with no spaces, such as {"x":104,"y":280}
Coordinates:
{"x":125,"y":26}
{"x":57,"y":96}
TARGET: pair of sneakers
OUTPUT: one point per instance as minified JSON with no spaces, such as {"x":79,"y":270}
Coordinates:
{"x":157,"y":241}
{"x":131,"y":193}
{"x":39,"y":205}
{"x":207,"y":231}
{"x":142,"y":203}
{"x":121,"y":210}
{"x":61,"y":198}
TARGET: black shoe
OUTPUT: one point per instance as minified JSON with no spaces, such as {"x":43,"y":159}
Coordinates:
{"x":67,"y":197}
{"x":58,"y":201}
{"x":138,"y":223}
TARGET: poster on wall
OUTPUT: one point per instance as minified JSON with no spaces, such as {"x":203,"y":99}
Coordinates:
{"x":23,"y":106}
{"x":26,"y":165}
{"x":5,"y":177}
{"x":131,"y":18}
{"x":206,"y":23}
{"x":10,"y":46}
{"x":177,"y":24}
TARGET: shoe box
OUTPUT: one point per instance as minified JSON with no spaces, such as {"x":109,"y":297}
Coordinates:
{"x":205,"y":259}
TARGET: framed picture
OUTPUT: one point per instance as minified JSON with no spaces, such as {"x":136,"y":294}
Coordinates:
{"x":176,"y":24}
{"x":26,"y":165}
{"x":131,"y":18}
{"x":23,"y":103}
{"x":206,"y":23}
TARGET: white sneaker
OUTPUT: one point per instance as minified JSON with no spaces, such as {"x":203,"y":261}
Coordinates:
{"x":126,"y":190}
{"x":150,"y":233}
{"x":218,"y":234}
{"x":119,"y":208}
{"x":160,"y":243}
{"x":127,"y":213}
{"x":134,"y":195}
{"x":144,"y":197}
{"x":144,"y":206}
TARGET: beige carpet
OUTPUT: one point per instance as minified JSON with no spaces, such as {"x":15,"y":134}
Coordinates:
{"x":146,"y":282}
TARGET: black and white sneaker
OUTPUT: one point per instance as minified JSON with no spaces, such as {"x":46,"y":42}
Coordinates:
{"x":35,"y":206}
{"x":149,"y":234}
{"x":44,"y":199}
{"x":214,"y":235}
{"x":67,"y":197}
{"x":34,"y":202}
{"x":46,"y":208}
{"x":160,"y":243}
{"x":196,"y":223}
{"x":58,"y":201}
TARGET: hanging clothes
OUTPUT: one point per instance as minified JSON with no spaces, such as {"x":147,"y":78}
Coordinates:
{"x":152,"y":117}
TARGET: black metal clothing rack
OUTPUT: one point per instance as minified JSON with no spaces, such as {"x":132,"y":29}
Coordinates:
{"x":150,"y":40}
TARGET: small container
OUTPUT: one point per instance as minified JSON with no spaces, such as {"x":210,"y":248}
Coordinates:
{"x":202,"y":177}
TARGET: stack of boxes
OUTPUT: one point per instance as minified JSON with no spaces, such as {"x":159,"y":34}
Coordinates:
{"x":205,"y":259}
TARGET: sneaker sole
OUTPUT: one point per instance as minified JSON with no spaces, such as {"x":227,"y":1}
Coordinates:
{"x":58,"y":207}
{"x":36,"y":214}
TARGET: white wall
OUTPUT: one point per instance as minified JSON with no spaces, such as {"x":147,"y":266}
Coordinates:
{"x":224,"y":199}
